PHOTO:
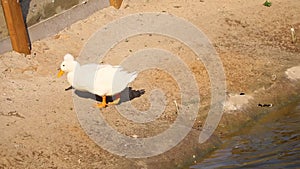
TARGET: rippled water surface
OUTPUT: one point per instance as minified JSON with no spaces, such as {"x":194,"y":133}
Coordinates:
{"x":272,"y":143}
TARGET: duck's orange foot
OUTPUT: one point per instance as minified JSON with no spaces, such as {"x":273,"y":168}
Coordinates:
{"x":115,"y":102}
{"x":101,"y":105}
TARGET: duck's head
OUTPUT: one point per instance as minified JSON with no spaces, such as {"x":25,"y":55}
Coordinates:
{"x":68,"y":65}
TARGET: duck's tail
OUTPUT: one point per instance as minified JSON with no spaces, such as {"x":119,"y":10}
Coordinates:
{"x":132,"y":75}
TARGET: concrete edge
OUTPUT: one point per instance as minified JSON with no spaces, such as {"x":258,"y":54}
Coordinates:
{"x":58,"y":22}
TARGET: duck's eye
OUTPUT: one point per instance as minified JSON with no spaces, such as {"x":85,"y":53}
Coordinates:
{"x":63,"y":65}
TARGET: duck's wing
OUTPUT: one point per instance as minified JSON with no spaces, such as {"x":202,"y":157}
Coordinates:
{"x":111,"y":80}
{"x":84,"y":77}
{"x":101,"y":79}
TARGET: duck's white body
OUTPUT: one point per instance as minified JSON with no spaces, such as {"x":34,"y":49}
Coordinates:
{"x":102,"y":80}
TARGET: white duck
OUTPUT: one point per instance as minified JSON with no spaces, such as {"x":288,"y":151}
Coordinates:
{"x":101,"y":80}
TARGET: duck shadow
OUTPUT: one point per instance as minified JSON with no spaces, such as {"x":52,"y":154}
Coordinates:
{"x":126,"y":95}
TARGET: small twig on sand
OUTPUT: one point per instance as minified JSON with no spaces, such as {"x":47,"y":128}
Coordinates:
{"x":293,"y":33}
{"x":12,"y":113}
{"x":176,"y":105}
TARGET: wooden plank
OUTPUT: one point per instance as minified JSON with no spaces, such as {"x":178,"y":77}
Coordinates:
{"x":16,"y":26}
{"x":116,"y":3}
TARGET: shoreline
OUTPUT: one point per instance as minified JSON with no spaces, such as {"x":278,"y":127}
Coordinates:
{"x":263,"y":129}
{"x":246,"y":117}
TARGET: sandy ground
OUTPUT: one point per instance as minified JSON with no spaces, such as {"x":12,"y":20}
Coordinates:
{"x":38,"y":124}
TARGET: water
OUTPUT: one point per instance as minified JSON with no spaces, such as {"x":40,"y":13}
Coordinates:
{"x":274,"y":142}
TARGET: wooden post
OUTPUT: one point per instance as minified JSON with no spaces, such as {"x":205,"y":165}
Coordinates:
{"x":16,"y":26}
{"x":116,"y":3}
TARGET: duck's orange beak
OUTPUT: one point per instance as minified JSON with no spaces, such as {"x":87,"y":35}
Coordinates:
{"x":60,"y":73}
